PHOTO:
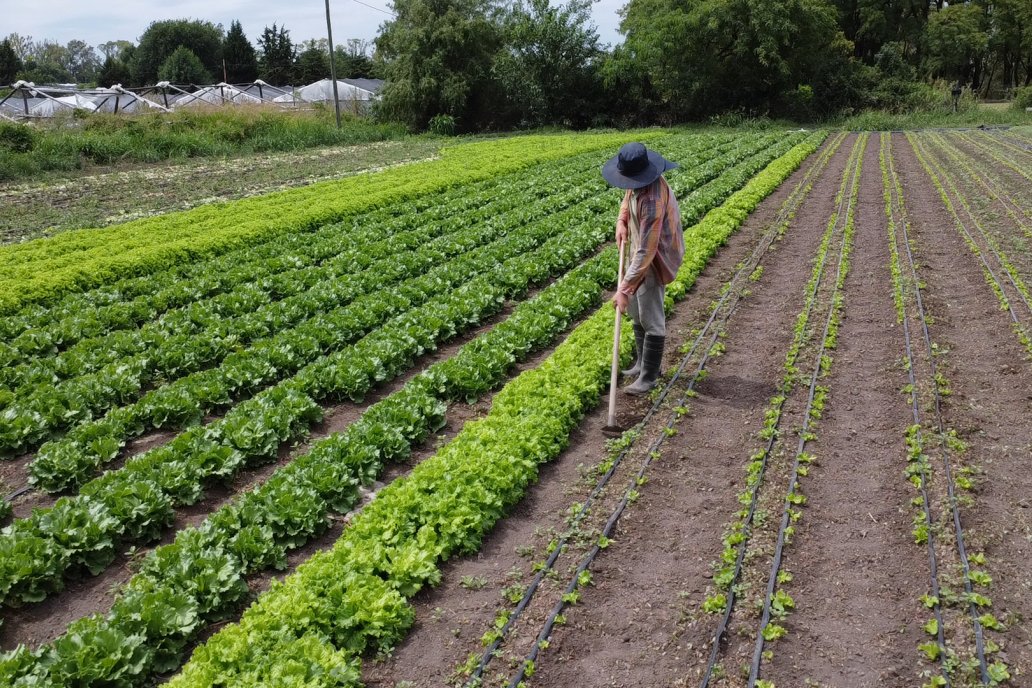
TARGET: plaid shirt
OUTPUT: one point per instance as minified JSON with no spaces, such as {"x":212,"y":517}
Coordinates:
{"x":659,"y":242}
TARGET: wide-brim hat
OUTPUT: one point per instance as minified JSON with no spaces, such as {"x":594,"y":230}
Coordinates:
{"x":635,"y":166}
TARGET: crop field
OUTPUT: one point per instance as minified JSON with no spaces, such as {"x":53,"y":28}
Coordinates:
{"x":350,"y":433}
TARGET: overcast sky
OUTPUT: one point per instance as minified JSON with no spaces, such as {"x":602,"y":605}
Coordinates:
{"x":96,"y":23}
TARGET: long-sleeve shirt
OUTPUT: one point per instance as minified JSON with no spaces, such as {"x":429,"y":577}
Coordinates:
{"x":659,"y":242}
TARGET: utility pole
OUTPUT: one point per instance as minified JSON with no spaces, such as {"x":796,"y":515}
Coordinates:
{"x":333,"y":68}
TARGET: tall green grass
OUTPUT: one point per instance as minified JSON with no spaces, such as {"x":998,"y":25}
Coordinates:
{"x":81,"y":141}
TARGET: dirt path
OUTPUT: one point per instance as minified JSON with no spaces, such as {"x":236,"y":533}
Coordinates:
{"x":857,"y":574}
{"x":621,"y":631}
{"x":990,"y":407}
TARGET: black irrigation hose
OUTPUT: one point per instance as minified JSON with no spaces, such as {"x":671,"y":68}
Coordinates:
{"x":950,"y":489}
{"x":19,"y":492}
{"x":956,"y":192}
{"x":933,"y":567}
{"x":779,"y":547}
{"x":746,"y":268}
{"x":747,"y":525}
{"x":981,"y":255}
{"x":991,"y":185}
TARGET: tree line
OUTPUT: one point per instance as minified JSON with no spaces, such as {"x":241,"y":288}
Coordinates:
{"x":495,"y":63}
{"x":182,"y":52}
{"x":469,"y":65}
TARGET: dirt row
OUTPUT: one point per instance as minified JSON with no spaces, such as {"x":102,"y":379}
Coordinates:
{"x":858,"y":573}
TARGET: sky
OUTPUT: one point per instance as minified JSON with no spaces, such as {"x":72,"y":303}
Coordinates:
{"x":96,"y":23}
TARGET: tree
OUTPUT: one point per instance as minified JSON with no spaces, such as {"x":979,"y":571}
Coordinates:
{"x":353,"y":60}
{"x":115,"y":49}
{"x":312,"y":65}
{"x":162,"y":38}
{"x":112,"y":72}
{"x":22,"y":45}
{"x":276,"y":61}
{"x":183,"y":67}
{"x":239,"y":55}
{"x":778,"y":56}
{"x":437,"y":60}
{"x":548,"y":67}
{"x":81,"y":61}
{"x":955,"y":42}
{"x":10,"y":63}
{"x":43,"y":62}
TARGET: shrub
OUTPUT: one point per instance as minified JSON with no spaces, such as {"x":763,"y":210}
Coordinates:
{"x":442,"y":125}
{"x":17,"y":138}
{"x":1023,"y":98}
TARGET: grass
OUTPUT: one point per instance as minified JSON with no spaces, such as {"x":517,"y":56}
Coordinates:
{"x":972,"y":116}
{"x":73,"y":142}
{"x":103,"y":196}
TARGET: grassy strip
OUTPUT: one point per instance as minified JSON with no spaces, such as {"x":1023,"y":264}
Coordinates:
{"x":106,"y":139}
{"x":352,"y":598}
{"x":79,"y":260}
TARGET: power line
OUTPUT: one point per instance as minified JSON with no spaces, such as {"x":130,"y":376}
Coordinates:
{"x":374,"y":7}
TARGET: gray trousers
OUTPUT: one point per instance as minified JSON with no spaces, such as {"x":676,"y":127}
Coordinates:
{"x":646,"y":306}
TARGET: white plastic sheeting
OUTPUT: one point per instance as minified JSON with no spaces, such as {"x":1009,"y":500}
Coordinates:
{"x":322,"y":91}
{"x":219,"y":94}
{"x":48,"y":107}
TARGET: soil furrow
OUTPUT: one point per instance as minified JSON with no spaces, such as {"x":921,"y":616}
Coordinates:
{"x":989,"y":406}
{"x":857,"y":578}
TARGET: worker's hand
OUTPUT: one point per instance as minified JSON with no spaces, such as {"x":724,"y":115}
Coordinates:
{"x":621,"y":233}
{"x":620,"y":300}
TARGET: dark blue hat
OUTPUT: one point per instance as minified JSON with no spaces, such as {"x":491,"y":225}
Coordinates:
{"x":635,"y":166}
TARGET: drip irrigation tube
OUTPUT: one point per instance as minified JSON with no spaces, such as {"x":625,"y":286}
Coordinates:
{"x":833,"y":308}
{"x":19,"y":492}
{"x":985,"y":264}
{"x":789,"y":207}
{"x":933,"y":567}
{"x":988,"y":242}
{"x":950,"y":487}
{"x":992,"y":186}
{"x":747,"y":525}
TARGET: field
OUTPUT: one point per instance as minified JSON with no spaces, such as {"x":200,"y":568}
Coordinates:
{"x":349,"y":432}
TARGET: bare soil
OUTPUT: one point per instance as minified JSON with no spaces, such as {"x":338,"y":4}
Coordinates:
{"x":856,"y":570}
{"x":990,"y":406}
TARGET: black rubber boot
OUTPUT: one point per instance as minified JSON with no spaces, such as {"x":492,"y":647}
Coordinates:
{"x":651,"y":363}
{"x":639,"y":347}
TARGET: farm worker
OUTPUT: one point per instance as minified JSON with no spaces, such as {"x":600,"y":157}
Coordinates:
{"x":649,"y":227}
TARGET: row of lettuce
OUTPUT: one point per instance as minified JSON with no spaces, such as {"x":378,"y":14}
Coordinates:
{"x":42,"y":270}
{"x":257,"y":274}
{"x":135,"y":503}
{"x":189,"y":343}
{"x":311,"y":629}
